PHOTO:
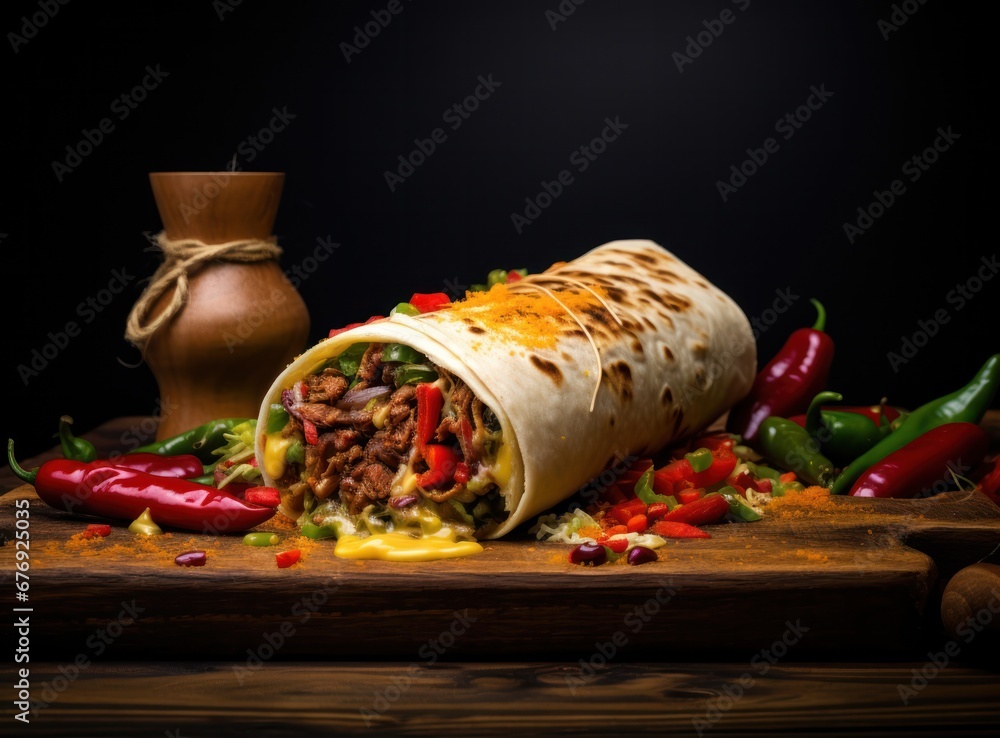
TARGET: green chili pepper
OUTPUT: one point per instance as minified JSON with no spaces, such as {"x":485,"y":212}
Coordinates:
{"x":738,"y":506}
{"x":760,"y":471}
{"x":644,"y":491}
{"x":966,"y":404}
{"x":405,"y":354}
{"x":200,"y":441}
{"x":319,"y":532}
{"x":842,"y":436}
{"x":497,"y":276}
{"x":295,"y":454}
{"x":277,"y":418}
{"x":261,"y":539}
{"x":73,"y":448}
{"x":782,"y":488}
{"x":414,"y":374}
{"x":350,"y":358}
{"x":788,"y":445}
{"x":700,"y":459}
{"x":404,"y":308}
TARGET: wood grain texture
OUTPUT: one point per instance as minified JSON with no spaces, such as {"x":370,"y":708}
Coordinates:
{"x":865,"y":577}
{"x":548,"y":698}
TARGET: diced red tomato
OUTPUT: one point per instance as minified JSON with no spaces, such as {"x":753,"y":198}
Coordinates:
{"x":513,"y":276}
{"x":287,"y":558}
{"x":709,"y":509}
{"x":657,"y":510}
{"x":618,"y":545}
{"x":674,"y":529}
{"x":97,"y":529}
{"x":266,"y":496}
{"x":687,"y":496}
{"x":637,"y":524}
{"x":625,"y":511}
{"x":428,"y":302}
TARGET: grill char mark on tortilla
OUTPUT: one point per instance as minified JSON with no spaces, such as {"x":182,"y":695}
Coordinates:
{"x":549,"y":369}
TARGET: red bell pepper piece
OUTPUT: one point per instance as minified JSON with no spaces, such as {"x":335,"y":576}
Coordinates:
{"x":723,"y":463}
{"x":625,"y":511}
{"x":709,"y":509}
{"x":687,"y":496}
{"x":618,"y":545}
{"x":428,"y":302}
{"x":429,"y":404}
{"x":788,"y":382}
{"x":461,"y":473}
{"x":657,"y":510}
{"x":311,"y":432}
{"x":287,"y":558}
{"x":925,"y":461}
{"x":335,"y":331}
{"x":666,"y":479}
{"x":675,"y":529}
{"x":442,"y":461}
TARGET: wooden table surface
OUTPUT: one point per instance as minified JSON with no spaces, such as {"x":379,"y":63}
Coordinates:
{"x":946,"y":684}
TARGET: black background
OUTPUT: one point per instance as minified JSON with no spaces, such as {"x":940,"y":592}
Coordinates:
{"x":782,"y":230}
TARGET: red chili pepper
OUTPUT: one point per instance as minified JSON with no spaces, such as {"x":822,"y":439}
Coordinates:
{"x":97,"y":529}
{"x":101,"y":489}
{"x":657,"y":510}
{"x":441,"y":464}
{"x":687,"y":496}
{"x":310,"y":431}
{"x":335,"y":331}
{"x":723,"y":463}
{"x":925,"y":461}
{"x":428,"y":302}
{"x":186,"y":466}
{"x":788,"y":382}
{"x":429,"y":404}
{"x":462,"y":473}
{"x":675,"y":529}
{"x":709,"y":509}
{"x":666,"y":479}
{"x":266,"y":496}
{"x":287,"y":558}
{"x":989,"y":480}
{"x":630,"y":476}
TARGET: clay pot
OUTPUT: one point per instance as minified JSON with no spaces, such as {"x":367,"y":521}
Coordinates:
{"x":242,"y":323}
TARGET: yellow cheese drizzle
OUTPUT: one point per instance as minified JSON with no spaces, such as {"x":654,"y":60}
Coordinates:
{"x":597,"y":352}
{"x":403,"y":547}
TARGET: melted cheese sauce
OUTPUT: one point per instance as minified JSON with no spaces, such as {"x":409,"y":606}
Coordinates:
{"x":402,"y":547}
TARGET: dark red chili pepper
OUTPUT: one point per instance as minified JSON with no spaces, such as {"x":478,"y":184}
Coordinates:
{"x":102,"y":489}
{"x":989,"y":479}
{"x":441,"y":464}
{"x":789,"y":381}
{"x":711,"y":508}
{"x":185,"y":466}
{"x":429,"y":404}
{"x":924,"y":461}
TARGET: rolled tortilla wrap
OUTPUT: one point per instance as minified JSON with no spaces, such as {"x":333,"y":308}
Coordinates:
{"x":619,"y":352}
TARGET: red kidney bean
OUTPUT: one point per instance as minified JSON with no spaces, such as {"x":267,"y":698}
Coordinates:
{"x":588,"y":553}
{"x":641,"y":555}
{"x":191,"y":558}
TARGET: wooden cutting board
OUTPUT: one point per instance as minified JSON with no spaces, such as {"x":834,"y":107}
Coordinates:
{"x":848,"y":578}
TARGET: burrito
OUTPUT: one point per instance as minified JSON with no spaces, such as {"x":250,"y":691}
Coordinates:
{"x":476,"y":417}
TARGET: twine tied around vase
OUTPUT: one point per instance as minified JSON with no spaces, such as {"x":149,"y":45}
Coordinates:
{"x":181,"y":259}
